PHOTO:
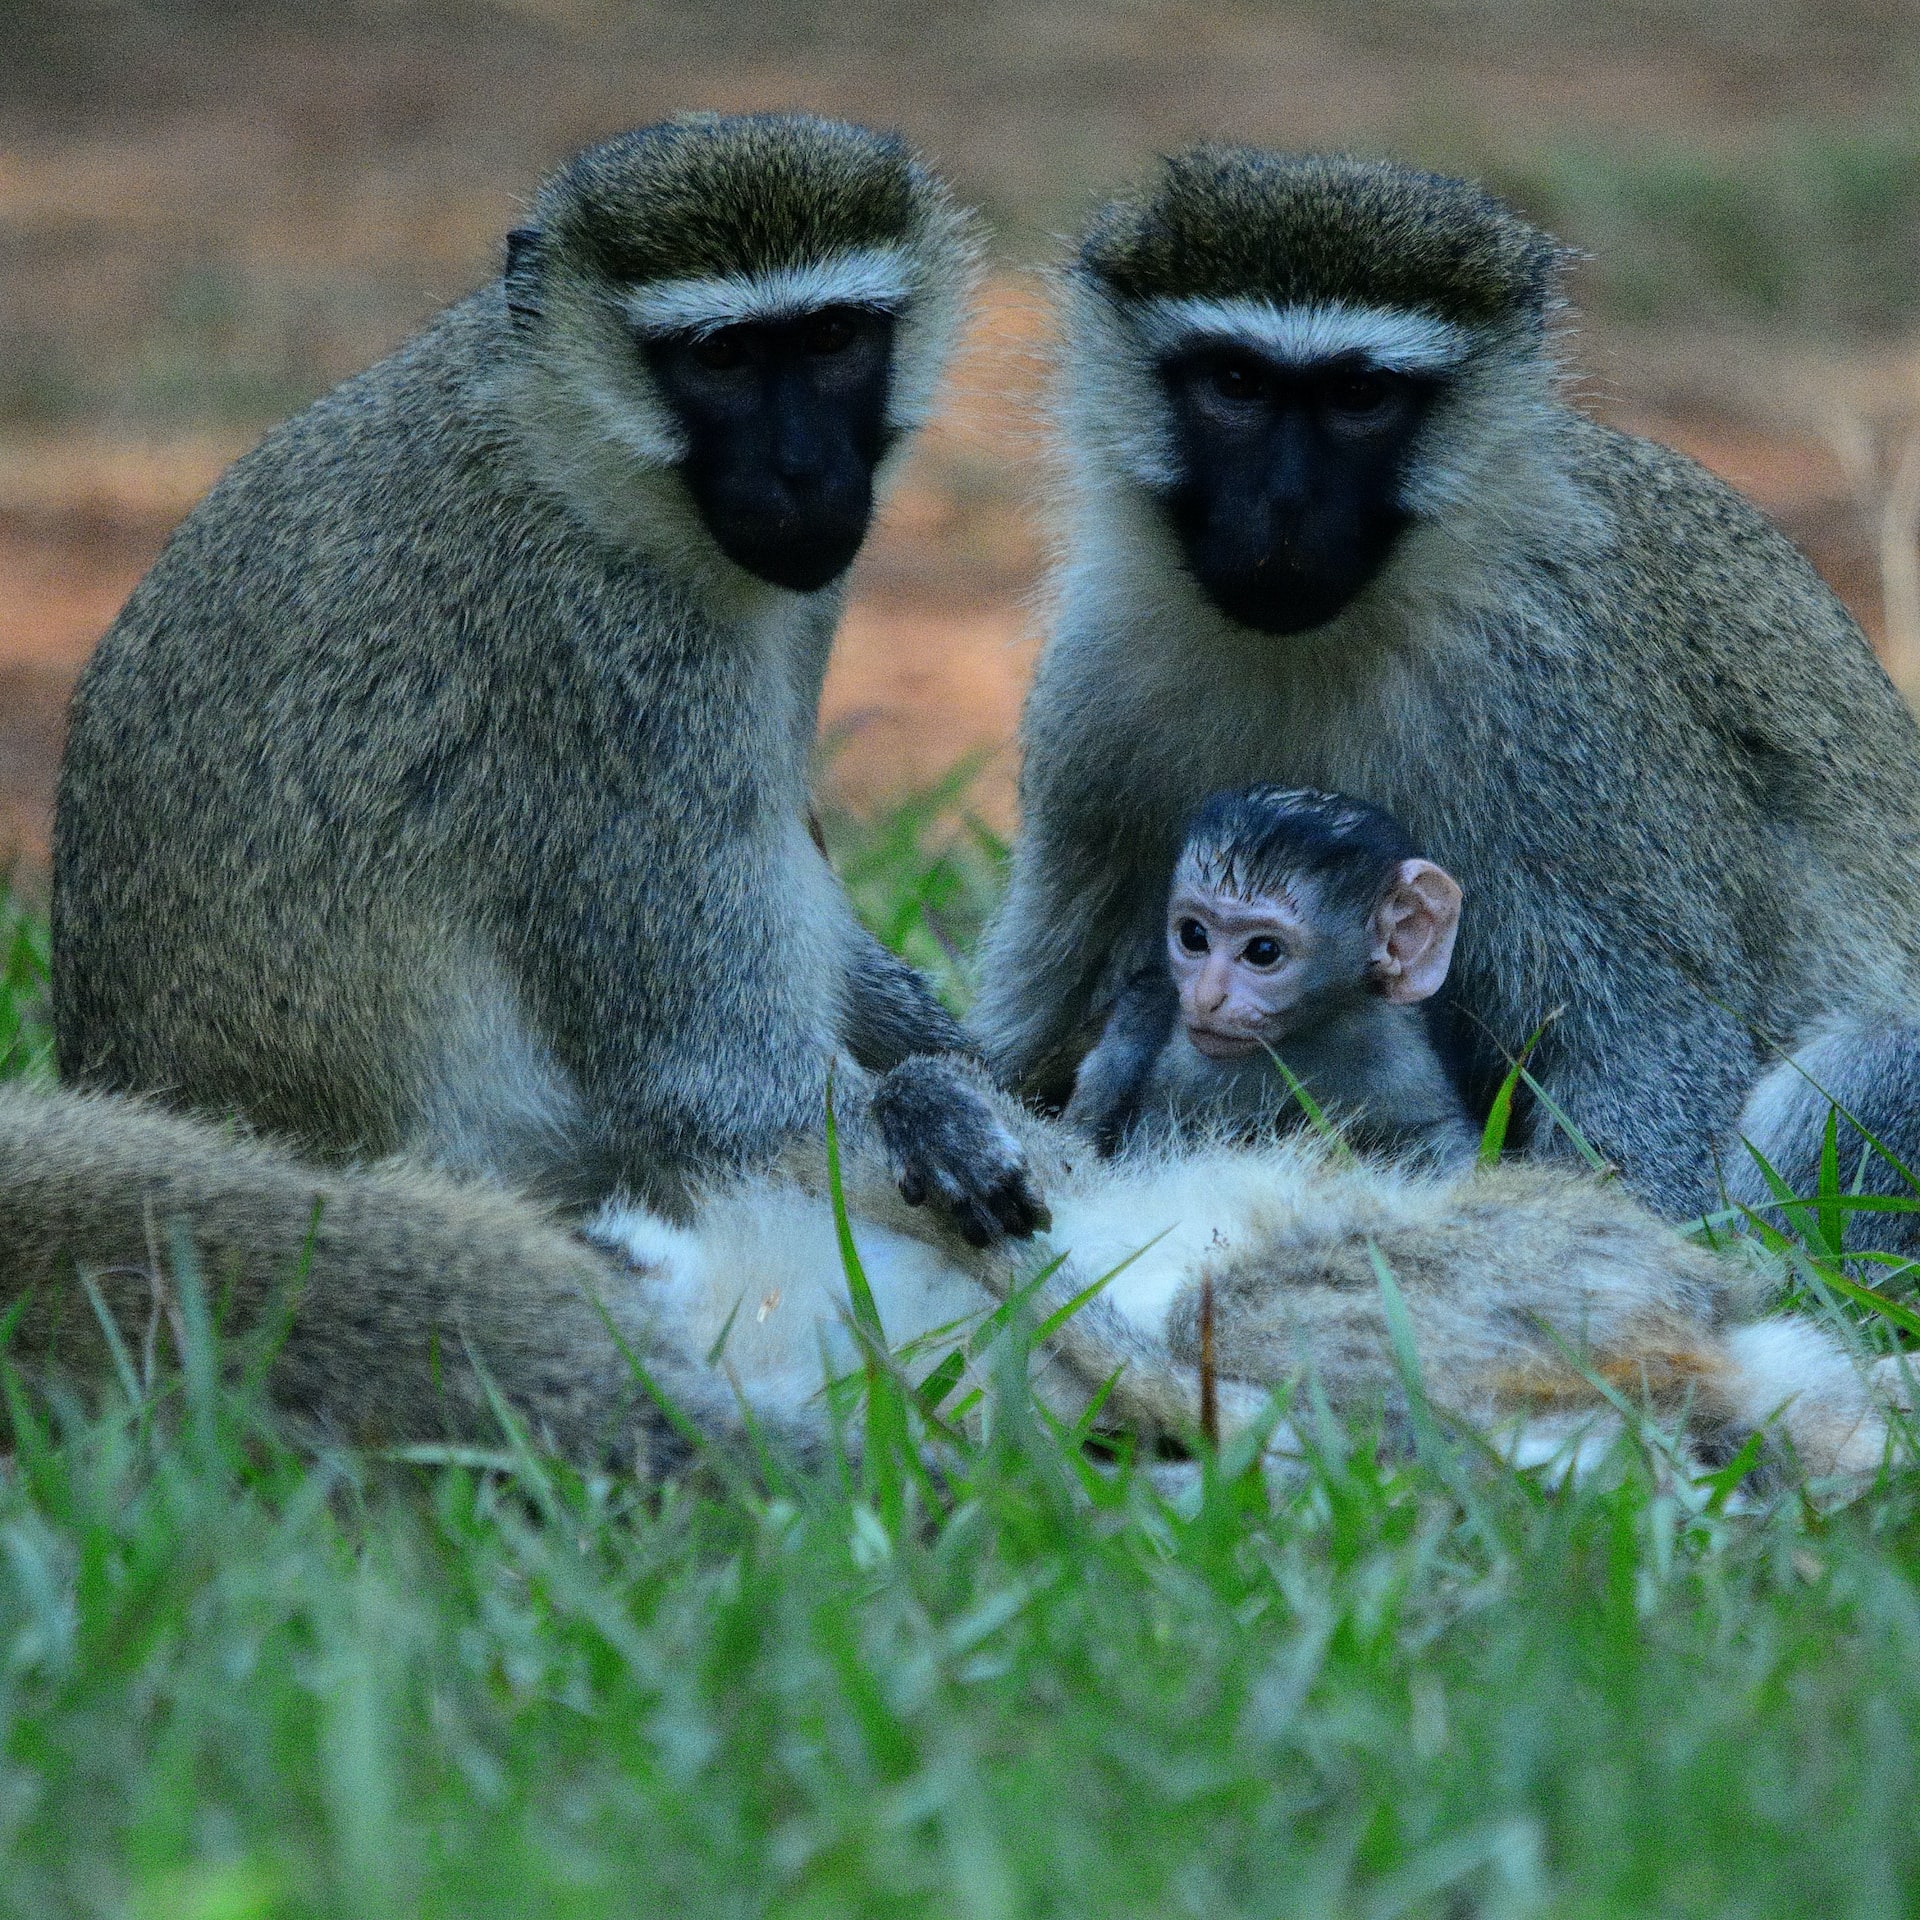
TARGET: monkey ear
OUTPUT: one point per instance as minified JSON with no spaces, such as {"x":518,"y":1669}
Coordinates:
{"x":1413,"y":931}
{"x":523,"y":275}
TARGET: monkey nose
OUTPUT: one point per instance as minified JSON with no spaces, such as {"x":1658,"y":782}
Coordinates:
{"x":801,"y":468}
{"x":1213,"y":988}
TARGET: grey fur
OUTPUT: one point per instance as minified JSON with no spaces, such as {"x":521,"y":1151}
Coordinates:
{"x":1371,"y":1069}
{"x":442,"y":787}
{"x":1592,"y":682}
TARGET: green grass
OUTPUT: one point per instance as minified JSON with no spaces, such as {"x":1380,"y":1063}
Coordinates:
{"x":238,"y":1680}
{"x":924,"y":875}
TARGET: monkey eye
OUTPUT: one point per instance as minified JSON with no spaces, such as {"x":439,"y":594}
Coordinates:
{"x":721,"y":351}
{"x":829,"y":332}
{"x":1358,"y":392}
{"x":1262,"y":951}
{"x":1192,"y":936}
{"x":1239,"y":380}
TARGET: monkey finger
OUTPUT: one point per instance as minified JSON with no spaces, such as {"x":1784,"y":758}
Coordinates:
{"x":1019,"y":1209}
{"x":977,"y":1226}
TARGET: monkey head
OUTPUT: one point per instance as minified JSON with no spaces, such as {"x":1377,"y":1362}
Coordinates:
{"x":1274,"y":347}
{"x":752,"y":310}
{"x":1288,"y":906}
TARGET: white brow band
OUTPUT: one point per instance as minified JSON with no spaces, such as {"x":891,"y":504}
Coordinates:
{"x":1308,"y":333}
{"x":869,"y":277}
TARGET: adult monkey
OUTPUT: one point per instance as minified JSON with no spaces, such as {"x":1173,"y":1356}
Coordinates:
{"x":1330,"y":525}
{"x":443,"y":786}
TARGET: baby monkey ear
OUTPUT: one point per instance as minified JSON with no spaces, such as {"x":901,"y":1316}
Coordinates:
{"x":1413,"y":929}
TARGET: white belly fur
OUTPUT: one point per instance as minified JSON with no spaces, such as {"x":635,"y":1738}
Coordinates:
{"x":765,"y":1256}
{"x":768,"y":1257}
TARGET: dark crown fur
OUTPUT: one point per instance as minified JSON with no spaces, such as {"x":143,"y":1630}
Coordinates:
{"x":710,"y":194}
{"x":1230,"y":222}
{"x":1256,"y":841}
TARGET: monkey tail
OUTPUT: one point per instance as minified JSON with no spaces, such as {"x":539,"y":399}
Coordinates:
{"x":388,"y":1304}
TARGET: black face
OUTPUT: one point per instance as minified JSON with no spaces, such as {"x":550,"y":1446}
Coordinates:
{"x":787,"y":420}
{"x":1289,"y":501}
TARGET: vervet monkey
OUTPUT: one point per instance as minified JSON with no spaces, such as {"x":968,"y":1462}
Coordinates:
{"x":394,"y":1306}
{"x":1303,"y":931}
{"x":1330,"y":524}
{"x":443,"y":787}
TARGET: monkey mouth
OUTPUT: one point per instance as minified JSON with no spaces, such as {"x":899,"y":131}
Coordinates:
{"x":1220,"y":1043}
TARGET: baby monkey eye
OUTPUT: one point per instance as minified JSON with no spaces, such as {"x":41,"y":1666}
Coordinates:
{"x":721,"y":351}
{"x":1193,"y":936}
{"x":1262,"y":951}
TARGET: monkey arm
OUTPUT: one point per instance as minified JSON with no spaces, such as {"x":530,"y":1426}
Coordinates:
{"x":941,"y":1133}
{"x":892,"y":1011}
{"x":1112,"y":1079}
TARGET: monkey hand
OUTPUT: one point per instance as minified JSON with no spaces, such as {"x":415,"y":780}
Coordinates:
{"x":945,"y":1143}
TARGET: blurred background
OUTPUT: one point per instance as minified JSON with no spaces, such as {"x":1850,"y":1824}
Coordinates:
{"x":211,"y":212}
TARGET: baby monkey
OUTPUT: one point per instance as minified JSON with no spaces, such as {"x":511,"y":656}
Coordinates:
{"x":1302,"y":928}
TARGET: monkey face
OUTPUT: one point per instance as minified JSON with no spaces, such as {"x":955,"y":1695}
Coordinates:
{"x":1290,"y":495}
{"x":1244,"y":968}
{"x":785,"y":422}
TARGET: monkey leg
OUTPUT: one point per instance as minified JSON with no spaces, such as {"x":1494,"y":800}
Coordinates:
{"x":1870,"y":1072}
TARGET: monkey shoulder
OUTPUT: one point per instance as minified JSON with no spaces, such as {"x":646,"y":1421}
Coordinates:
{"x":1703,"y":575}
{"x":1704,"y":595}
{"x":1697,"y":632}
{"x":387,"y":552}
{"x":394,"y":487}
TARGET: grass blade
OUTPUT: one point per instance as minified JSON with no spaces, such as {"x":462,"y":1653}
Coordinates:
{"x":1896,"y":1311}
{"x":1316,"y":1117}
{"x":889,"y":1453}
{"x":1826,"y":1213}
{"x":1587,"y":1151}
{"x":720,"y":1339}
{"x":1493,"y":1136}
